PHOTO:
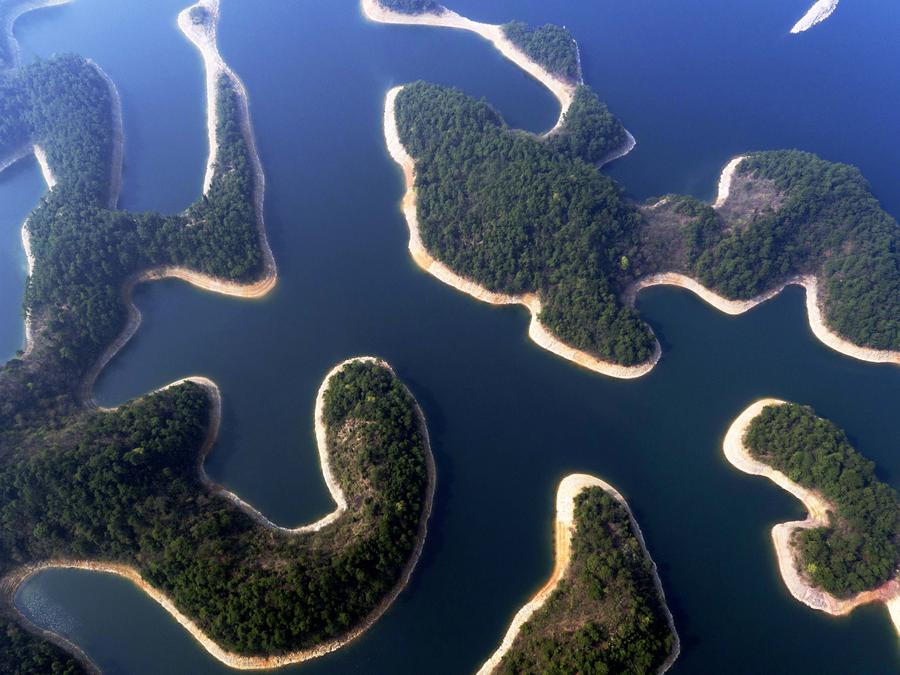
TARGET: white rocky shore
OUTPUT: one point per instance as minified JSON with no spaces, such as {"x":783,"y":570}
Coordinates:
{"x":818,"y":509}
{"x":564,"y":528}
{"x":820,"y":11}
{"x":238,"y":661}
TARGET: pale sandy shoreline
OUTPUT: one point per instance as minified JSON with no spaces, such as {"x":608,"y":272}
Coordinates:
{"x":203,"y":37}
{"x":536,"y":331}
{"x":564,"y":527}
{"x":13,"y":581}
{"x":562,"y":90}
{"x":544,"y":338}
{"x":12,"y":17}
{"x":737,"y":454}
{"x":820,"y":11}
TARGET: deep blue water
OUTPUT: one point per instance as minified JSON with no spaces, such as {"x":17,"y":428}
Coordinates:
{"x":695,"y":84}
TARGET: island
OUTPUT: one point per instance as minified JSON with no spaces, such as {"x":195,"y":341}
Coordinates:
{"x":123,"y":490}
{"x":514,"y":218}
{"x":820,"y":11}
{"x":603,"y":608}
{"x":847,"y":551}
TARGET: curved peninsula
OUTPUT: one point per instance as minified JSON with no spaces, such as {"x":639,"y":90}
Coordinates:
{"x":124,"y":490}
{"x":846,"y":553}
{"x":603,"y":608}
{"x":146,"y":514}
{"x":511,"y":218}
{"x":78,"y":296}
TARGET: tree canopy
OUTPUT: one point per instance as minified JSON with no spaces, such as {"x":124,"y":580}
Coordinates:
{"x":860,"y":548}
{"x":606,"y":615}
{"x":521,"y":214}
{"x":550,"y":45}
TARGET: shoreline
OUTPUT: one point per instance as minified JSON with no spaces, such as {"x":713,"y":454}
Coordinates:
{"x":493,"y":33}
{"x":817,"y":508}
{"x":536,"y":330}
{"x":14,"y":580}
{"x":564,"y":526}
{"x":205,"y":42}
{"x":816,"y":14}
{"x":118,"y":142}
{"x":541,"y":336}
{"x":11,"y":18}
{"x":734,"y":307}
{"x":725,"y":180}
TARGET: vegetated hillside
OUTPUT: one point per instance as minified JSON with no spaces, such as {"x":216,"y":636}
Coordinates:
{"x":828,"y":224}
{"x":518,"y":214}
{"x":551,"y":46}
{"x":84,"y":251}
{"x":606,"y":615}
{"x":123,"y":486}
{"x":412,"y":6}
{"x":860,"y":550}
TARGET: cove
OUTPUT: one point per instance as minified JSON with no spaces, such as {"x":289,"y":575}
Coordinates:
{"x":507,"y":420}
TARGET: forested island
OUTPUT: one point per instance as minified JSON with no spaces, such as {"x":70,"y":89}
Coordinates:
{"x":519,"y":214}
{"x":90,"y":492}
{"x":606,"y":612}
{"x":859,"y":548}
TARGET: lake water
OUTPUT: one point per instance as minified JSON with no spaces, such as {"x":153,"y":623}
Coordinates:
{"x":696,"y":85}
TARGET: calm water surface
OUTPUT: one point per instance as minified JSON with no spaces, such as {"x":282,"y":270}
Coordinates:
{"x":695,"y":84}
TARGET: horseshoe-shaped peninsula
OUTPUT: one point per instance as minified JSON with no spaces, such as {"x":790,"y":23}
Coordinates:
{"x":123,"y":490}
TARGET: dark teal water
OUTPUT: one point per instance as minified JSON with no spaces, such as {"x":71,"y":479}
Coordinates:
{"x":695,"y":84}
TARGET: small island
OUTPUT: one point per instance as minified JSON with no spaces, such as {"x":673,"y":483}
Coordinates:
{"x":847,"y":552}
{"x":512,"y":218}
{"x":603,"y":609}
{"x":820,"y":11}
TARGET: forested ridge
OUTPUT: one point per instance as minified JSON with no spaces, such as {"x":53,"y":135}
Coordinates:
{"x":830,"y":225}
{"x":860,"y":548}
{"x":124,"y":487}
{"x":517,"y":213}
{"x":84,"y":251}
{"x":550,"y":45}
{"x":412,"y":6}
{"x":606,"y":614}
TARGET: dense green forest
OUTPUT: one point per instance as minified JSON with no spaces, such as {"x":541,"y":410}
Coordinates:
{"x":830,"y":225}
{"x":124,"y":487}
{"x":85,"y":251}
{"x":22,"y":654}
{"x":412,"y":6}
{"x":606,"y":615}
{"x":860,"y":549}
{"x":519,"y":214}
{"x":551,"y":46}
{"x":590,"y":131}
